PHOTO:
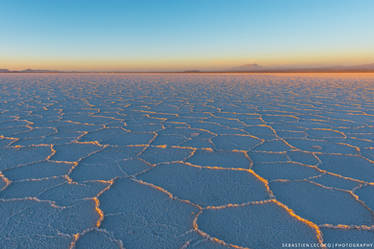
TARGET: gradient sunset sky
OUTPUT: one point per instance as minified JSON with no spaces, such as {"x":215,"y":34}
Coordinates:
{"x":142,"y":35}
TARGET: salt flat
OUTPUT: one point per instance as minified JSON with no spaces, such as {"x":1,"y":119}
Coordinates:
{"x":186,"y":161}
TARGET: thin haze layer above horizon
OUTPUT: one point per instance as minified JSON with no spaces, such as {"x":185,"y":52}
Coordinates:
{"x":183,"y":35}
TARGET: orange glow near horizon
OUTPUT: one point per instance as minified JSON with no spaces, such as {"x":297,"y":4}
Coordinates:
{"x":171,"y":64}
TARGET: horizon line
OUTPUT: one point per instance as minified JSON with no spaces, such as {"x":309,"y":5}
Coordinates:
{"x":189,"y":72}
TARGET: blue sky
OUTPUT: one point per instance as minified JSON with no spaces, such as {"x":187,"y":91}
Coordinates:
{"x":180,"y":34}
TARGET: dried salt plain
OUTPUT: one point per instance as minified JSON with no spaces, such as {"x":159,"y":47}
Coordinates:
{"x":185,"y":161}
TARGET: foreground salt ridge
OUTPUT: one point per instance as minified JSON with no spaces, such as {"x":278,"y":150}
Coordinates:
{"x":185,"y":161}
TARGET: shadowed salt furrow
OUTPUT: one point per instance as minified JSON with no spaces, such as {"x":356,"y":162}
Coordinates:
{"x":185,"y":161}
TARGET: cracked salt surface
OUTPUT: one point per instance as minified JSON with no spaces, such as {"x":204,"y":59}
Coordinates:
{"x":185,"y":161}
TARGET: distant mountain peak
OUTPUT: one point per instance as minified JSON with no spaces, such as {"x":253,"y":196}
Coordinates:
{"x":258,"y":68}
{"x":248,"y":67}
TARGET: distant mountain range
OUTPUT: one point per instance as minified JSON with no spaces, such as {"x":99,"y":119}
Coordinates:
{"x":243,"y":68}
{"x":258,"y":68}
{"x":248,"y":67}
{"x":361,"y":67}
{"x":30,"y":71}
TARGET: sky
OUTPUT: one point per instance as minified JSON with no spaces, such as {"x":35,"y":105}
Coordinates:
{"x":167,"y":35}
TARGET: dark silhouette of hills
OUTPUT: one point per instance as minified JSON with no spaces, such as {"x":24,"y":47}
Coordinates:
{"x":192,"y":71}
{"x":38,"y":71}
{"x":258,"y":68}
{"x":31,"y":71}
{"x":247,"y":68}
{"x":362,"y":67}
